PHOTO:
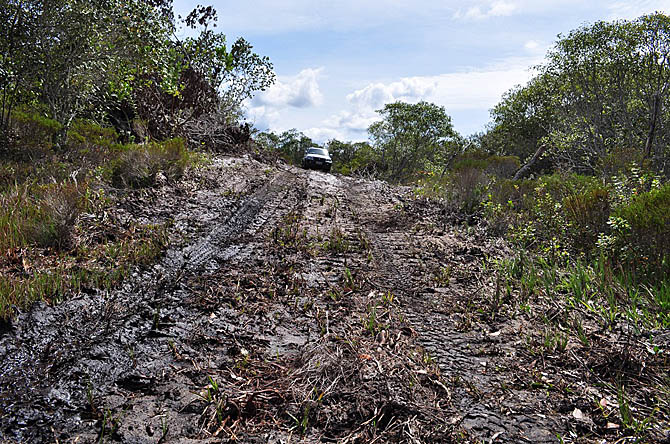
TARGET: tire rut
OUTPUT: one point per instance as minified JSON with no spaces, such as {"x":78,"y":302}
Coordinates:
{"x":467,"y":359}
{"x":98,"y":343}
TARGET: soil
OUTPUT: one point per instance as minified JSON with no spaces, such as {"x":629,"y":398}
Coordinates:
{"x":301,"y":306}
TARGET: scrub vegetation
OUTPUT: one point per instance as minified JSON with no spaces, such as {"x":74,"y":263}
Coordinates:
{"x":513,"y":285}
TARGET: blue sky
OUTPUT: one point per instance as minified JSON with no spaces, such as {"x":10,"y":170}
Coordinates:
{"x":338,"y":61}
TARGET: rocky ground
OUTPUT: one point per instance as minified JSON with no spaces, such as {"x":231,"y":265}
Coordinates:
{"x":300,"y":306}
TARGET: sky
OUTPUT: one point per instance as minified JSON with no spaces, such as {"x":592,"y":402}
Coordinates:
{"x":339,"y":61}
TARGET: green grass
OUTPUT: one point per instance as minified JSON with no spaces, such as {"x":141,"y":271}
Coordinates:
{"x":44,"y":251}
{"x":102,"y":267}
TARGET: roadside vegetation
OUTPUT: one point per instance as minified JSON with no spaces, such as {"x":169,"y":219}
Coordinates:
{"x":99,"y":101}
{"x":573,"y":173}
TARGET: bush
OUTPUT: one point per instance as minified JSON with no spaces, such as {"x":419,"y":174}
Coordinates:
{"x":587,"y":214}
{"x":556,"y":212}
{"x":39,"y":216}
{"x":640,"y":239}
{"x":619,"y":161}
{"x":515,"y":194}
{"x":503,"y":166}
{"x":138,"y":166}
{"x":498,"y":166}
{"x":471,"y":176}
{"x":85,"y":135}
{"x":466,"y":187}
{"x":33,"y":132}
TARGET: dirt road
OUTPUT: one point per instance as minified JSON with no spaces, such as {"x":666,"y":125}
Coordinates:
{"x":292,"y":306}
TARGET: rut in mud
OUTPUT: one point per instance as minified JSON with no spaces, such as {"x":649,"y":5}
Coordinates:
{"x":292,"y":306}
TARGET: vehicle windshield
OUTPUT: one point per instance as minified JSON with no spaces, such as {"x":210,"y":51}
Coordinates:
{"x":318,"y":151}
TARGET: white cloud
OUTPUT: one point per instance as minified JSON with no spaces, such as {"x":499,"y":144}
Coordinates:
{"x":456,"y":91}
{"x":531,"y":45}
{"x":321,"y":135}
{"x":353,"y":121}
{"x":301,"y":91}
{"x":261,"y":117}
{"x":502,"y":9}
{"x":460,"y":91}
{"x":377,"y":94}
{"x":497,"y":8}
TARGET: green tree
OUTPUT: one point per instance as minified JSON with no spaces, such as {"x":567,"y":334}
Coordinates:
{"x":522,"y":119}
{"x":353,"y":157}
{"x":291,"y":144}
{"x":411,"y":137}
{"x":19,"y":64}
{"x":104,"y":57}
{"x":610,"y":91}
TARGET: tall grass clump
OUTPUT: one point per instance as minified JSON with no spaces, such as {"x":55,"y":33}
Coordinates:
{"x":42,"y":216}
{"x":139,"y":166}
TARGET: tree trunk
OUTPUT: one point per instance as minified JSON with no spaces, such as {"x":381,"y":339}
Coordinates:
{"x":525,"y":170}
{"x":652,"y":127}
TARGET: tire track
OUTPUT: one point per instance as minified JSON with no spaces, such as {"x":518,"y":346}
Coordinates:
{"x":467,"y":360}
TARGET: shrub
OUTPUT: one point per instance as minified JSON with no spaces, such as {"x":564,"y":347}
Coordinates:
{"x":508,"y":202}
{"x":503,"y":166}
{"x":33,"y":132}
{"x":563,"y":212}
{"x":619,"y":160}
{"x":466,"y":187}
{"x":498,"y":166}
{"x":61,"y":205}
{"x":139,"y":165}
{"x":88,"y":135}
{"x":587,"y":214}
{"x":42,"y":216}
{"x":641,"y":234}
{"x":515,"y":194}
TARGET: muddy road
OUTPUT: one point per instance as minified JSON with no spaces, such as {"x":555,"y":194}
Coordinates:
{"x":291,"y":306}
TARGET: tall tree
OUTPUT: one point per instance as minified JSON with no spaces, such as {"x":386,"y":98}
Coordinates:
{"x":611,"y":90}
{"x":410,"y":136}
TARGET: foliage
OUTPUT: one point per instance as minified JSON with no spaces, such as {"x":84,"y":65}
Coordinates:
{"x":42,"y":215}
{"x":291,"y":144}
{"x":410,"y":137}
{"x":116,"y":60}
{"x":496,"y":166}
{"x":32,"y":132}
{"x":598,"y":102}
{"x":87,"y":135}
{"x":640,"y":234}
{"x":139,"y":166}
{"x":351,"y":158}
{"x":564,"y":215}
{"x":522,"y":119}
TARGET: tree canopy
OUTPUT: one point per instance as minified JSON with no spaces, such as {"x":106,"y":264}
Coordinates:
{"x":119,"y":60}
{"x":599,"y":99}
{"x":411,"y":136}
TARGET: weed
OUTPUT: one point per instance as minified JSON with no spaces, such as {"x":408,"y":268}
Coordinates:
{"x":139,"y":166}
{"x":349,"y":281}
{"x":336,"y":242}
{"x":554,"y":340}
{"x":581,"y":334}
{"x":443,"y":275}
